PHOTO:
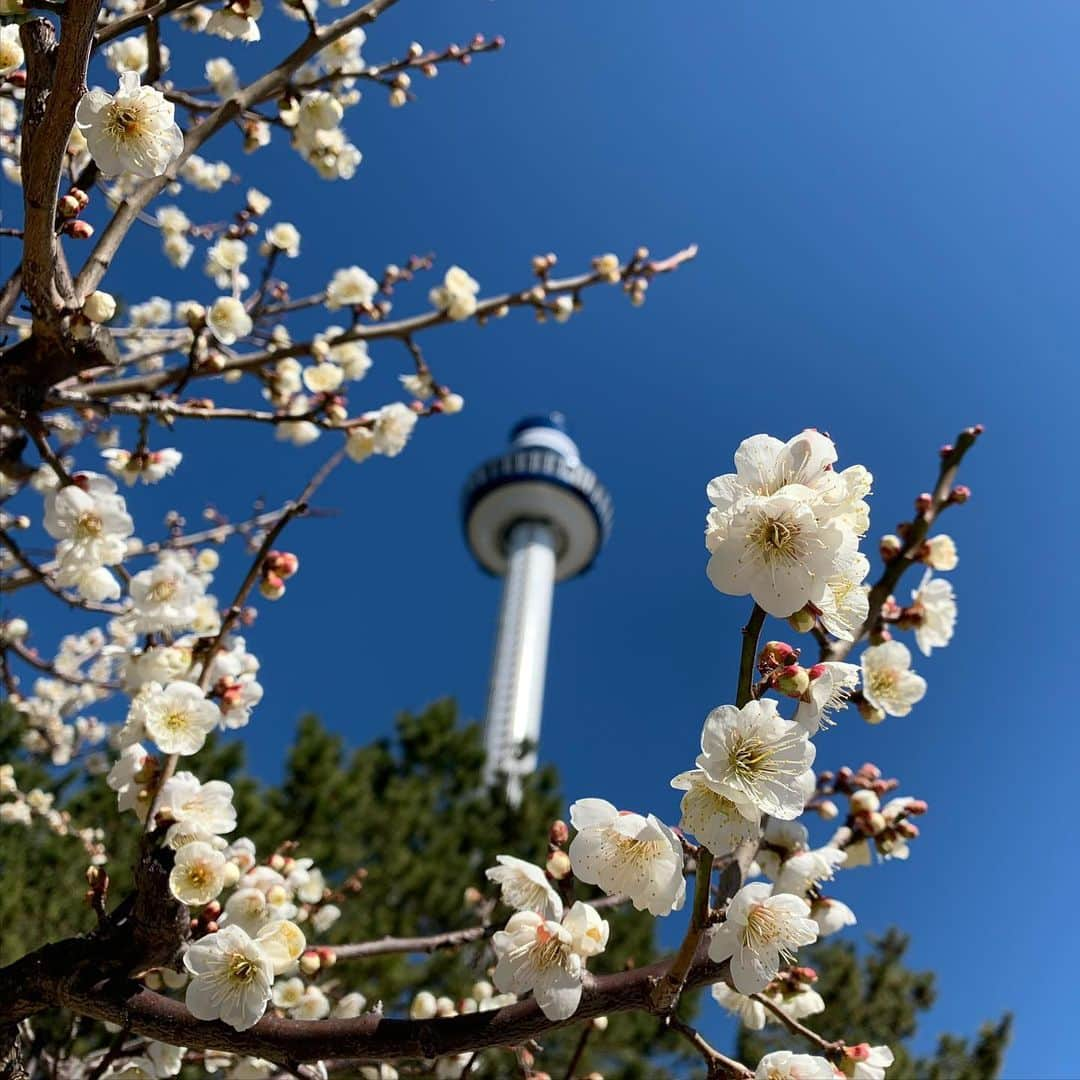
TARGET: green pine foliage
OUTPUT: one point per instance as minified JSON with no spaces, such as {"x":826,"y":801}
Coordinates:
{"x":873,"y":997}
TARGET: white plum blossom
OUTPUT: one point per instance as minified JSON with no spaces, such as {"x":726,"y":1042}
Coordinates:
{"x":128,"y":778}
{"x":231,"y":978}
{"x":888,"y":683}
{"x":757,"y":759}
{"x":325,"y":917}
{"x":313,"y":1005}
{"x":844,"y":606}
{"x":623,"y":852}
{"x":288,"y":992}
{"x":350,"y":287}
{"x":752,"y":1014}
{"x":91,"y":523}
{"x":456,"y":295}
{"x":525,"y":887}
{"x":11,"y":50}
{"x":228,"y":320}
{"x":588,"y":931}
{"x":831,"y":684}
{"x":831,"y":915}
{"x":149,"y":466}
{"x":178,"y":717}
{"x":165,"y":596}
{"x":539,"y":954}
{"x":394,"y":425}
{"x":198,"y":874}
{"x":787,"y":1065}
{"x":934,"y":605}
{"x":284,"y":237}
{"x":806,"y":870}
{"x":99,"y":307}
{"x":132,"y":131}
{"x":779,"y":841}
{"x":761,"y":930}
{"x":237,"y":22}
{"x":866,"y":1062}
{"x":283,"y":942}
{"x":200,"y":806}
{"x":710,"y":816}
{"x":774,"y":549}
{"x":939,"y":553}
{"x":132,"y":53}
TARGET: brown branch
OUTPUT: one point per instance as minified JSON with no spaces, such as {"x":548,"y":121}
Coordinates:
{"x":915,"y":536}
{"x":719,"y":1066}
{"x":400,"y":328}
{"x":371,"y":1037}
{"x":796,"y":1028}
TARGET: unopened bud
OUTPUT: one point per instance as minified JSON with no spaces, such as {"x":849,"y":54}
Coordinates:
{"x":68,"y":207}
{"x":232,"y":874}
{"x":802,"y":622}
{"x":310,"y":962}
{"x":416,"y":50}
{"x":559,"y":833}
{"x":79,"y":230}
{"x":282,"y":563}
{"x":558,"y":864}
{"x":889,"y":546}
{"x":776,"y":654}
{"x":80,"y":197}
{"x":424,"y":1006}
{"x":212,"y":910}
{"x":861,"y":1052}
{"x":872,"y":823}
{"x":827,"y":810}
{"x":327,"y":957}
{"x":600,"y":1023}
{"x":473,"y":895}
{"x":14,"y":629}
{"x":277,"y":895}
{"x":793,"y":681}
{"x":917,"y":806}
{"x":923,"y":502}
{"x":398,"y":97}
{"x":452,"y":403}
{"x":276,"y":862}
{"x":870,"y":713}
{"x":272,"y":587}
{"x":960,"y":494}
{"x":864,"y":802}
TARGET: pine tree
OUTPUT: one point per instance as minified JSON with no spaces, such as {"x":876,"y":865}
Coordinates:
{"x":875,"y":997}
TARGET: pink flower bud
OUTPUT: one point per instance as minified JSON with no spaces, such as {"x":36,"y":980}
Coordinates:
{"x":776,"y":654}
{"x":272,"y":587}
{"x":827,"y":810}
{"x":792,"y":681}
{"x":861,"y":1052}
{"x":68,"y":206}
{"x":276,"y":862}
{"x":960,"y":494}
{"x":923,"y":502}
{"x":889,"y":547}
{"x":79,"y":230}
{"x":917,"y":806}
{"x":310,"y":962}
{"x":282,"y":563}
{"x":559,"y":833}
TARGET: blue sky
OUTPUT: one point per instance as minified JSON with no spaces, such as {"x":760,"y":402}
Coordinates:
{"x":885,"y":197}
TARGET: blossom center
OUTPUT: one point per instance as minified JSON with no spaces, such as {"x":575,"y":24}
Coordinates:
{"x":176,"y":720}
{"x":162,"y":591}
{"x":749,"y":758}
{"x":634,"y":850}
{"x":242,"y":969}
{"x":125,"y":122}
{"x":881,"y":682}
{"x":778,"y":541}
{"x":89,"y":526}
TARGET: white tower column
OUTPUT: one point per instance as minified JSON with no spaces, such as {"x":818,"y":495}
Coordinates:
{"x":533,"y":516}
{"x":516,"y":695}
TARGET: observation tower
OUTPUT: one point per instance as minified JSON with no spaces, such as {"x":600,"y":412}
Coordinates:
{"x":534,"y":516}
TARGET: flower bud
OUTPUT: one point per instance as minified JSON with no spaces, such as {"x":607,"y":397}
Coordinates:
{"x":277,"y":895}
{"x":398,"y":98}
{"x":99,"y":307}
{"x":445,"y":1006}
{"x":272,"y":587}
{"x":310,"y":962}
{"x":960,"y":494}
{"x":327,"y":957}
{"x":232,"y":874}
{"x":870,"y":713}
{"x":282,"y":563}
{"x":923,"y":502}
{"x":473,"y":895}
{"x":79,"y":230}
{"x":80,"y":197}
{"x":14,"y":630}
{"x":482,"y":990}
{"x":559,"y":833}
{"x":872,"y":823}
{"x":558,"y":864}
{"x":861,"y":1052}
{"x":68,"y":206}
{"x":864,"y":801}
{"x":802,"y":622}
{"x":827,"y":810}
{"x":889,"y":546}
{"x":917,"y":806}
{"x":276,"y":862}
{"x":776,"y":654}
{"x":600,"y":1023}
{"x":453,"y":403}
{"x":424,"y":1006}
{"x":792,"y":681}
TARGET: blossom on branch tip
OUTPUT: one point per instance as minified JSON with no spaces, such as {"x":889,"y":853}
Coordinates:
{"x":888,"y":683}
{"x":132,"y":131}
{"x":806,"y":870}
{"x":177,"y":717}
{"x":228,"y":320}
{"x":525,"y":887}
{"x":831,"y":684}
{"x":831,"y":915}
{"x":149,"y":466}
{"x":865,"y":1062}
{"x":237,"y":21}
{"x":456,"y":296}
{"x":623,"y":852}
{"x":761,"y":930}
{"x":202,"y":806}
{"x":939,"y":553}
{"x":758,"y":760}
{"x":351,"y":287}
{"x":394,"y":425}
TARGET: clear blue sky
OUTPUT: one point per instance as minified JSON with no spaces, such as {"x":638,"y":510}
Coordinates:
{"x":886,"y":201}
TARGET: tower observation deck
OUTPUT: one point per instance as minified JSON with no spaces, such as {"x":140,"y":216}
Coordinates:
{"x":534,"y":516}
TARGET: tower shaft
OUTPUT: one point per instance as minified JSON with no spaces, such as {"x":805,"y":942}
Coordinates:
{"x":516,"y":695}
